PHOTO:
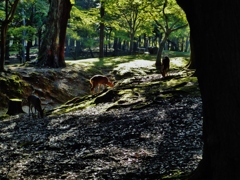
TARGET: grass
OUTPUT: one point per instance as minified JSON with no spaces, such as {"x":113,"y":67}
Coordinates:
{"x":112,"y":62}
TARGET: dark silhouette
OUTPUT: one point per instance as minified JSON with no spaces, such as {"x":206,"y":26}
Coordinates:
{"x":165,"y":66}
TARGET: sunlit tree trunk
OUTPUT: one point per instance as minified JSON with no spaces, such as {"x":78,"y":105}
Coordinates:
{"x":52,"y":48}
{"x":216,"y":42}
{"x":160,"y":50}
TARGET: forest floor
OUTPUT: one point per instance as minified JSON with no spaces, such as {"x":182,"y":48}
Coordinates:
{"x":146,"y":127}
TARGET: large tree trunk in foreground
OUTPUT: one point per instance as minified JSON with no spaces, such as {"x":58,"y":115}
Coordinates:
{"x":215,"y":30}
{"x":51,"y":53}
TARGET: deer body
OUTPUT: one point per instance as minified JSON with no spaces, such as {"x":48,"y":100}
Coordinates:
{"x":98,"y":80}
{"x":34,"y":101}
{"x":165,"y":66}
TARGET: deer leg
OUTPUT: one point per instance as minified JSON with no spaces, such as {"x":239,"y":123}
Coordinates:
{"x":29,"y":109}
{"x":98,"y":88}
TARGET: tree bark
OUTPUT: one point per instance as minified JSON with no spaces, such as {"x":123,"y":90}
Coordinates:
{"x":10,"y":9}
{"x":216,"y":43}
{"x":51,"y":53}
{"x":3,"y":45}
{"x":66,"y":7}
{"x":192,"y":62}
{"x":160,"y":50}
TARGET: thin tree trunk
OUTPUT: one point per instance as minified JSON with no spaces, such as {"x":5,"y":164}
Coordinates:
{"x":131,"y":43}
{"x":10,"y":9}
{"x":102,"y":26}
{"x":159,"y":53}
{"x":3,"y":45}
{"x":187,"y":44}
{"x":29,"y":45}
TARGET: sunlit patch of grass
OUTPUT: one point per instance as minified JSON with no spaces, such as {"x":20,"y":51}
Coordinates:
{"x":177,"y":60}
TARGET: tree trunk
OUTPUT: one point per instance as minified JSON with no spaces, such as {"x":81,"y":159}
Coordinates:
{"x":3,"y":44}
{"x":186,"y":44}
{"x":115,"y":46}
{"x":101,"y":37}
{"x":65,"y":7}
{"x":10,"y":9}
{"x":131,"y":43}
{"x":29,"y":45}
{"x":192,"y":63}
{"x":216,"y":42}
{"x":160,"y":50}
{"x":52,"y":49}
{"x":14,"y":107}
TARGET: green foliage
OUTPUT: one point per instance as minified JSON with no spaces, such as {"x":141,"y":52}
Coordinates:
{"x":17,"y":32}
{"x":34,"y":12}
{"x":17,"y":36}
{"x":136,"y":17}
{"x":82,"y":26}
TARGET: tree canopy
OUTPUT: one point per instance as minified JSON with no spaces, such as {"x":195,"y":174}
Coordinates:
{"x":124,"y":22}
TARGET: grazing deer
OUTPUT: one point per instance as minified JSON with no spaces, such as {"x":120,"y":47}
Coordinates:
{"x":34,"y":101}
{"x":98,"y":80}
{"x":165,"y":66}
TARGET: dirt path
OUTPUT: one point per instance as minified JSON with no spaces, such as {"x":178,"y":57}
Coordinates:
{"x":159,"y":140}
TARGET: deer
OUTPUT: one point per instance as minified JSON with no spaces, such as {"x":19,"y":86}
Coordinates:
{"x":34,"y":101}
{"x":165,"y":66}
{"x":98,"y":80}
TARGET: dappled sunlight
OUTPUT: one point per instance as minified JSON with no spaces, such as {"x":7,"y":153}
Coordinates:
{"x":178,"y":62}
{"x":139,"y":63}
{"x":96,"y":143}
{"x":133,"y":128}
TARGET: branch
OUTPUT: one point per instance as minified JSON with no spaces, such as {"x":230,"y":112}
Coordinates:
{"x":180,"y":27}
{"x":160,"y":25}
{"x":165,"y":16}
{"x":12,"y":10}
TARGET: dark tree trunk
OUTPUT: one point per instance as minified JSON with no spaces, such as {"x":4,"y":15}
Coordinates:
{"x":52,"y":48}
{"x":216,"y":41}
{"x":145,"y":43}
{"x":14,"y":107}
{"x":10,"y":9}
{"x":186,"y":44}
{"x":192,"y":62}
{"x":131,"y":43}
{"x":3,"y":44}
{"x":115,"y":46}
{"x":7,"y":50}
{"x":65,"y":7}
{"x":29,"y":45}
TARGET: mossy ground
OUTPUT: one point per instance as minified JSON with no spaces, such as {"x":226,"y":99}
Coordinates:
{"x":137,"y":85}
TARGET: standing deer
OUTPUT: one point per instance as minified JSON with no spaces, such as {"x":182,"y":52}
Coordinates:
{"x":165,"y":66}
{"x":34,"y":101}
{"x":98,"y":80}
